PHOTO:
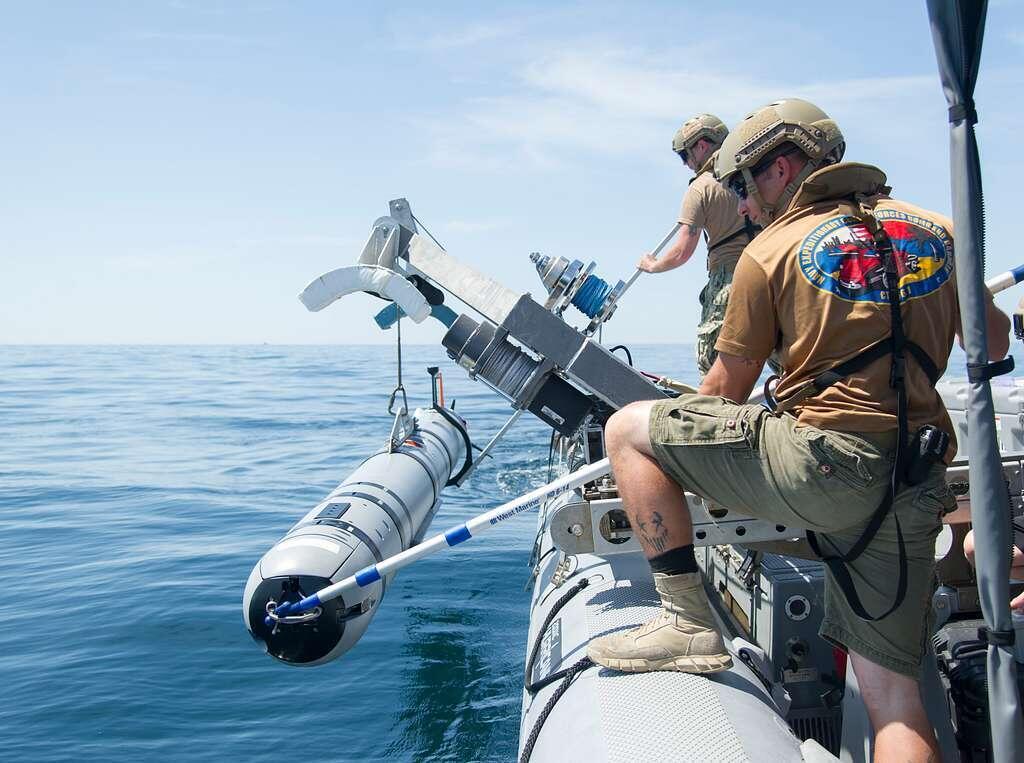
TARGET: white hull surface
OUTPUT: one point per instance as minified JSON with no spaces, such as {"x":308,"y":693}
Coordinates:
{"x":605,"y":715}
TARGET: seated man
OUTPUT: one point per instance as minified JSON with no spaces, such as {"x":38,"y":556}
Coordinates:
{"x":813,"y":286}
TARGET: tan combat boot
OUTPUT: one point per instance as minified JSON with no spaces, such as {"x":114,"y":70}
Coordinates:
{"x":682,"y":637}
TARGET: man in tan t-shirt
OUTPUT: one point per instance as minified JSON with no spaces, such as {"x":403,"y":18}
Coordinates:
{"x":814,"y":287}
{"x":710,"y":208}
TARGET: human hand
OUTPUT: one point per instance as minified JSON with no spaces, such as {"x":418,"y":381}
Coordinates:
{"x":648,"y":263}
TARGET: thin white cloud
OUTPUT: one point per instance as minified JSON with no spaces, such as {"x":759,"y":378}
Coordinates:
{"x":472,"y":35}
{"x":618,"y":103}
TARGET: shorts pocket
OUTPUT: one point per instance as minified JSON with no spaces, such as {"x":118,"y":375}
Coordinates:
{"x":837,"y":459}
{"x":937,"y":500}
{"x":706,"y":421}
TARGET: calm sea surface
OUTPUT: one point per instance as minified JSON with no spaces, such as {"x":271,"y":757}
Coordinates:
{"x":139,"y":486}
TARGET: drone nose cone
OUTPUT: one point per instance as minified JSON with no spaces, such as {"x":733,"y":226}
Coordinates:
{"x":301,"y":640}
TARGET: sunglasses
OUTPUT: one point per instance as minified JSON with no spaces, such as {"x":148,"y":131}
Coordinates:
{"x":683,"y":155}
{"x":738,"y":186}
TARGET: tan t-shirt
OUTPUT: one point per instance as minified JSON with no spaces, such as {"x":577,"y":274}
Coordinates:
{"x":810,"y":286}
{"x":708,"y":205}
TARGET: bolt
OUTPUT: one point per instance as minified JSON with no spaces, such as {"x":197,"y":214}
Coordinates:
{"x":576,"y":529}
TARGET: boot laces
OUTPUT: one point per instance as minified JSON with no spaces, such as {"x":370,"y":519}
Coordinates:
{"x":658,"y":621}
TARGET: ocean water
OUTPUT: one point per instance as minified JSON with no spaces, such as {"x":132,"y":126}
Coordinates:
{"x":139,"y":486}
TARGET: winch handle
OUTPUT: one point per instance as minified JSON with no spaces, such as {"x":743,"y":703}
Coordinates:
{"x":664,"y":242}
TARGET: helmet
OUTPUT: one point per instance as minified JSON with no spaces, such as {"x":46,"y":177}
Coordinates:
{"x":794,"y":121}
{"x":701,"y":126}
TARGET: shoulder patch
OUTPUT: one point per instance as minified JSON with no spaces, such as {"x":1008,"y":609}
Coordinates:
{"x":838,"y":257}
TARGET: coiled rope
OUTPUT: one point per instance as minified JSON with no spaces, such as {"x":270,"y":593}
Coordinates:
{"x":567,"y":675}
{"x":532,"y":688}
{"x":590,"y":297}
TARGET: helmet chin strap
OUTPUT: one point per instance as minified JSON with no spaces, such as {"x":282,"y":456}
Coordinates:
{"x":770,"y":211}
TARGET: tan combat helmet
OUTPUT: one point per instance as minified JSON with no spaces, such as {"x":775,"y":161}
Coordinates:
{"x":701,"y":126}
{"x":753,"y":144}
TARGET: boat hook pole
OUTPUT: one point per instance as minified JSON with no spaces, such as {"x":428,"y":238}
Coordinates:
{"x":451,"y":537}
{"x":655,"y":253}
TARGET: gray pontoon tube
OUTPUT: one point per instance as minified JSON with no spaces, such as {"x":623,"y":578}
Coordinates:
{"x":958,"y":29}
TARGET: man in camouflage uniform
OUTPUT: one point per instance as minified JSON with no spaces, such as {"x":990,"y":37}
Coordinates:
{"x":860,"y":368}
{"x":710,"y":208}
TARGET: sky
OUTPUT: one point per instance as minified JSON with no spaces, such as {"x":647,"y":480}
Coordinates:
{"x":178,"y":170}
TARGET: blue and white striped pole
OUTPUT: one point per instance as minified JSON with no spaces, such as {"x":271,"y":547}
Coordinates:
{"x":451,"y":537}
{"x":1005,"y":280}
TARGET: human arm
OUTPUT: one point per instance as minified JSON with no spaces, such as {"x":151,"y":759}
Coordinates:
{"x":997,"y":329}
{"x":732,"y":377}
{"x":680,"y":251}
{"x":748,"y":335}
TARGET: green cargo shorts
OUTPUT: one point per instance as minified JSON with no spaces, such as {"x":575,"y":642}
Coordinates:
{"x":746,"y":459}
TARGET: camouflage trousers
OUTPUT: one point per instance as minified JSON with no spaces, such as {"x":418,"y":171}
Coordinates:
{"x":714,"y":298}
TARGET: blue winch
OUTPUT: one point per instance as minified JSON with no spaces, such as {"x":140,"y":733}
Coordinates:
{"x":572,"y":283}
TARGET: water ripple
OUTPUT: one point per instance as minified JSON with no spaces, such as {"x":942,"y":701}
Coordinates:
{"x":139,"y":485}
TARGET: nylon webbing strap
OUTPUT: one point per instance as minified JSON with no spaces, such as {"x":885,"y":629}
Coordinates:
{"x":838,"y":563}
{"x":981,"y":372}
{"x":965,"y":110}
{"x":451,"y":419}
{"x":925,"y":362}
{"x":858,"y":362}
{"x":997,"y":638}
{"x":749,"y":230}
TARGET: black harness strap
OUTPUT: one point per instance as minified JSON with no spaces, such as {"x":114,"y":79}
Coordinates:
{"x":749,"y":229}
{"x":878,"y":350}
{"x":895,"y":345}
{"x":858,"y":362}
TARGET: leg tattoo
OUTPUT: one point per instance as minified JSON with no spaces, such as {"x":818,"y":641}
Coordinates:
{"x":653,"y":535}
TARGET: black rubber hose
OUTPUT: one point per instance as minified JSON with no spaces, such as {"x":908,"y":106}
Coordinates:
{"x":629,"y":355}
